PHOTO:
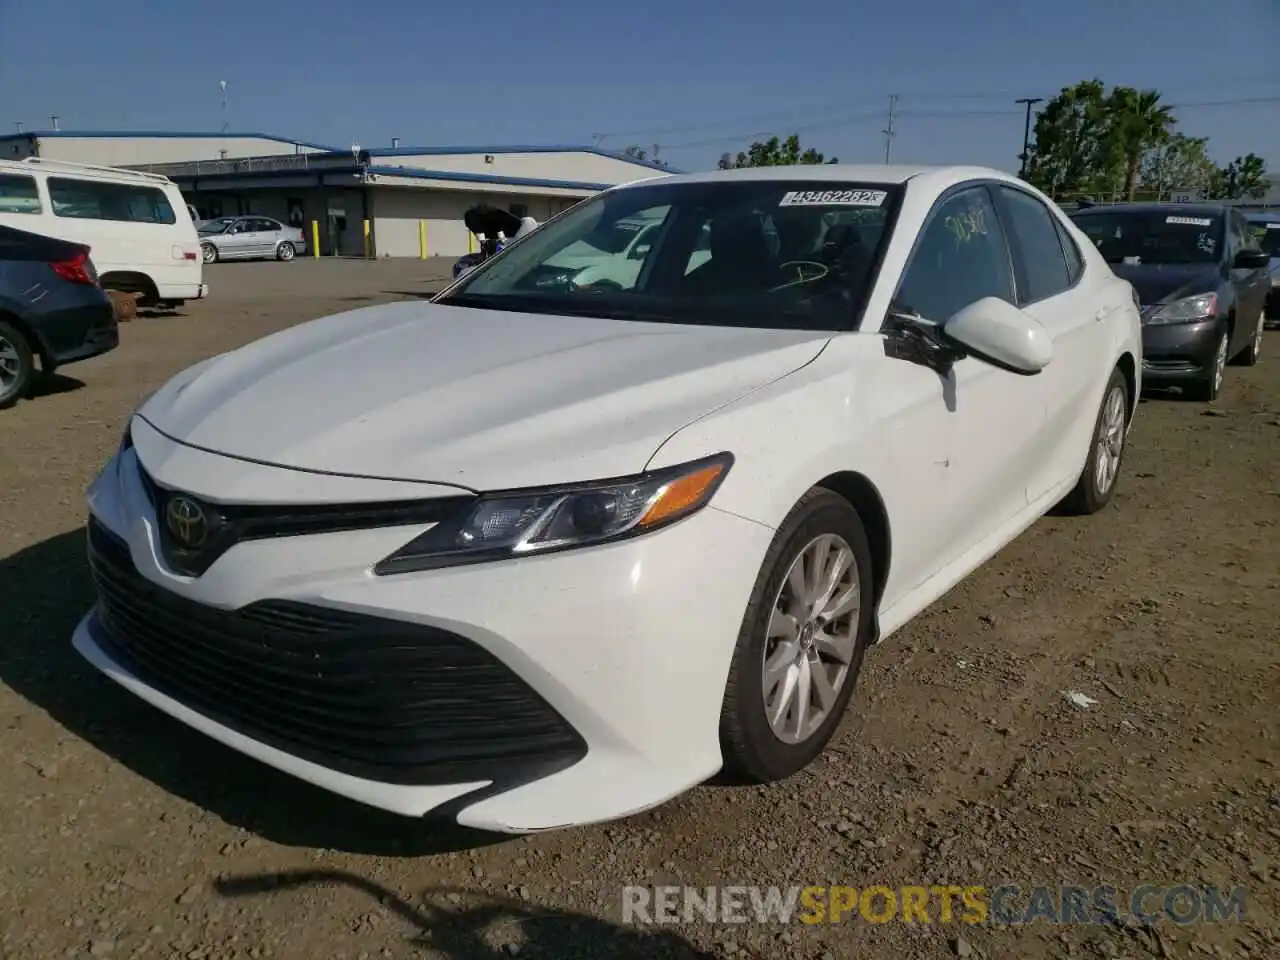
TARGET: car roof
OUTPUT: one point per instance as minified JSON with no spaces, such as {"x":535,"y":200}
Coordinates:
{"x":939,"y":177}
{"x":1190,"y":209}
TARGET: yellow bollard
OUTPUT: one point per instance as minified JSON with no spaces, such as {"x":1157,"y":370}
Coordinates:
{"x":368,"y":246}
{"x":315,"y":238}
{"x":422,"y":239}
{"x":471,"y":242}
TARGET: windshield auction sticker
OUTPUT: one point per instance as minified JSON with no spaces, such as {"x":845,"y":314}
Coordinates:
{"x":1189,"y":221}
{"x":834,"y":198}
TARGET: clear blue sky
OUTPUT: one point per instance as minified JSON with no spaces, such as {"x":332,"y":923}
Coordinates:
{"x":697,"y":78}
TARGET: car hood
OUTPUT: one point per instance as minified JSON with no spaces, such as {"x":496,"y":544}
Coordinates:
{"x":476,"y":398}
{"x":1165,"y":282}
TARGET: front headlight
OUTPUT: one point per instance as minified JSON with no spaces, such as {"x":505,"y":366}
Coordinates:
{"x":527,"y":522}
{"x":1187,"y":310}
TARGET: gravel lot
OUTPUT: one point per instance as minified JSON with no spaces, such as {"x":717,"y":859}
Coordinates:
{"x":123,"y":834}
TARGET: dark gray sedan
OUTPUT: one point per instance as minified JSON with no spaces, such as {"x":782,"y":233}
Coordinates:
{"x":249,"y":238}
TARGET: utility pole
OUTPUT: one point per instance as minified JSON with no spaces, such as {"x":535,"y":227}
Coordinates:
{"x":888,"y":131}
{"x":1026,"y":134}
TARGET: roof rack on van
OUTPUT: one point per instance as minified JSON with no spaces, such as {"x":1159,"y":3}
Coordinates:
{"x":71,"y":166}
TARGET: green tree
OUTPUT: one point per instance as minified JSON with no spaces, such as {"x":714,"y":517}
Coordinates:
{"x":634,"y":151}
{"x":1243,"y":178}
{"x":1074,"y":150}
{"x":775,"y":153}
{"x":1180,"y":162}
{"x":1137,"y":124}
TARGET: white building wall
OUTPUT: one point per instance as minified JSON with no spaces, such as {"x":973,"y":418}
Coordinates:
{"x":576,"y":166}
{"x":123,"y":151}
{"x":397,"y":213}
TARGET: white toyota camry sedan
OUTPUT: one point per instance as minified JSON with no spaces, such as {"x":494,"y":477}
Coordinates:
{"x":544,"y":552}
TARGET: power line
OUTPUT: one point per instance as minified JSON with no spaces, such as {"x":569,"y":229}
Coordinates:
{"x":940,"y":96}
{"x":899,"y":114}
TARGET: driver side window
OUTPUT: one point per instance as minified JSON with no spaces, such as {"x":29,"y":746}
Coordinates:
{"x":960,"y":258}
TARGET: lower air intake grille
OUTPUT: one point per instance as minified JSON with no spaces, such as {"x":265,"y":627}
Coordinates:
{"x":371,"y":697}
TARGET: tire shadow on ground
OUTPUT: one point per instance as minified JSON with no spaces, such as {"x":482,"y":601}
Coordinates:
{"x":469,"y":925}
{"x":44,"y":591}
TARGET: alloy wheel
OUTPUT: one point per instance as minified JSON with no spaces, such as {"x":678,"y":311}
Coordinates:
{"x":1220,"y":363}
{"x":811,"y":639}
{"x":10,"y":366}
{"x":1111,"y":436}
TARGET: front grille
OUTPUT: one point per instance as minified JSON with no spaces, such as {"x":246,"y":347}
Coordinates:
{"x":368,"y":696}
{"x":225,"y":525}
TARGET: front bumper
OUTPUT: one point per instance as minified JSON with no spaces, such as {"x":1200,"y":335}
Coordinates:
{"x":552,"y":691}
{"x":1178,"y":352}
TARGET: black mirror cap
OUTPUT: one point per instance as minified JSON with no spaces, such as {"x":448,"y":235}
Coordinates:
{"x":1251,"y":260}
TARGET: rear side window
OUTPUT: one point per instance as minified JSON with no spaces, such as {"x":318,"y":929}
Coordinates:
{"x":18,"y":194}
{"x":95,"y":200}
{"x":1036,"y":245}
{"x":1075,"y":262}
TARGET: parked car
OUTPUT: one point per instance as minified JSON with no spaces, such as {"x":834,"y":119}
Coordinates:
{"x":1266,"y":227}
{"x":1202,"y":281}
{"x":52,"y":309}
{"x":555,"y":553}
{"x":249,"y":238}
{"x":137,"y":223}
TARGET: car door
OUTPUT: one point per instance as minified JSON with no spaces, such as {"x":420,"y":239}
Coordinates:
{"x":974,"y":427}
{"x":1252,"y":284}
{"x":1048,"y":271}
{"x":236,"y":242}
{"x":270,"y":233}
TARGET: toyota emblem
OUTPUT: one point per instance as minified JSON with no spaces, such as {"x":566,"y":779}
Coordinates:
{"x":187,"y":522}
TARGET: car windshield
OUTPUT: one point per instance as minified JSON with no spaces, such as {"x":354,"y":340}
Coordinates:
{"x":772,"y":254}
{"x":217,"y":226}
{"x":1268,"y":234}
{"x":1160,"y":236}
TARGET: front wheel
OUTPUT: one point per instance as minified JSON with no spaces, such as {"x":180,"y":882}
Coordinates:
{"x":17,"y":365}
{"x":285,"y":251}
{"x":1097,"y":483}
{"x":801,"y":643}
{"x":209,"y":253}
{"x":1209,"y":388}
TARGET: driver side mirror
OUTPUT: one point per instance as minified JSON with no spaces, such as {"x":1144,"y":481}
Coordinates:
{"x":999,"y":333}
{"x":1251,"y":260}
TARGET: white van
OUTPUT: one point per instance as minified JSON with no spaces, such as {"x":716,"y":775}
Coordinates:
{"x":137,"y":225}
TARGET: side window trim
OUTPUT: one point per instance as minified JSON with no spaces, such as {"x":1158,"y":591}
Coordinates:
{"x":942,"y":200}
{"x":1020,"y":267}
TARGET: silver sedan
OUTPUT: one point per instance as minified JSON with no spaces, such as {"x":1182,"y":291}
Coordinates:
{"x":249,"y":238}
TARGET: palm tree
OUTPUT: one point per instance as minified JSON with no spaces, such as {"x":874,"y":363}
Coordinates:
{"x":1139,"y":121}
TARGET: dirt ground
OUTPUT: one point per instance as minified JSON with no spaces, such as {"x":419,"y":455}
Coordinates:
{"x":124,"y":834}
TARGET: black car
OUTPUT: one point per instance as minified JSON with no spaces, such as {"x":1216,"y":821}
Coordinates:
{"x":1266,"y":227}
{"x":52,"y":309}
{"x":1202,"y":282}
{"x":485,"y":223}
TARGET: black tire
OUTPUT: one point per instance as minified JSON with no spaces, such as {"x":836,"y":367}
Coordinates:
{"x":1208,"y":389}
{"x":19,"y":365}
{"x":208,"y":253}
{"x":285,"y":251}
{"x":1248,"y":357}
{"x":1088,"y":495}
{"x":752,"y":752}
